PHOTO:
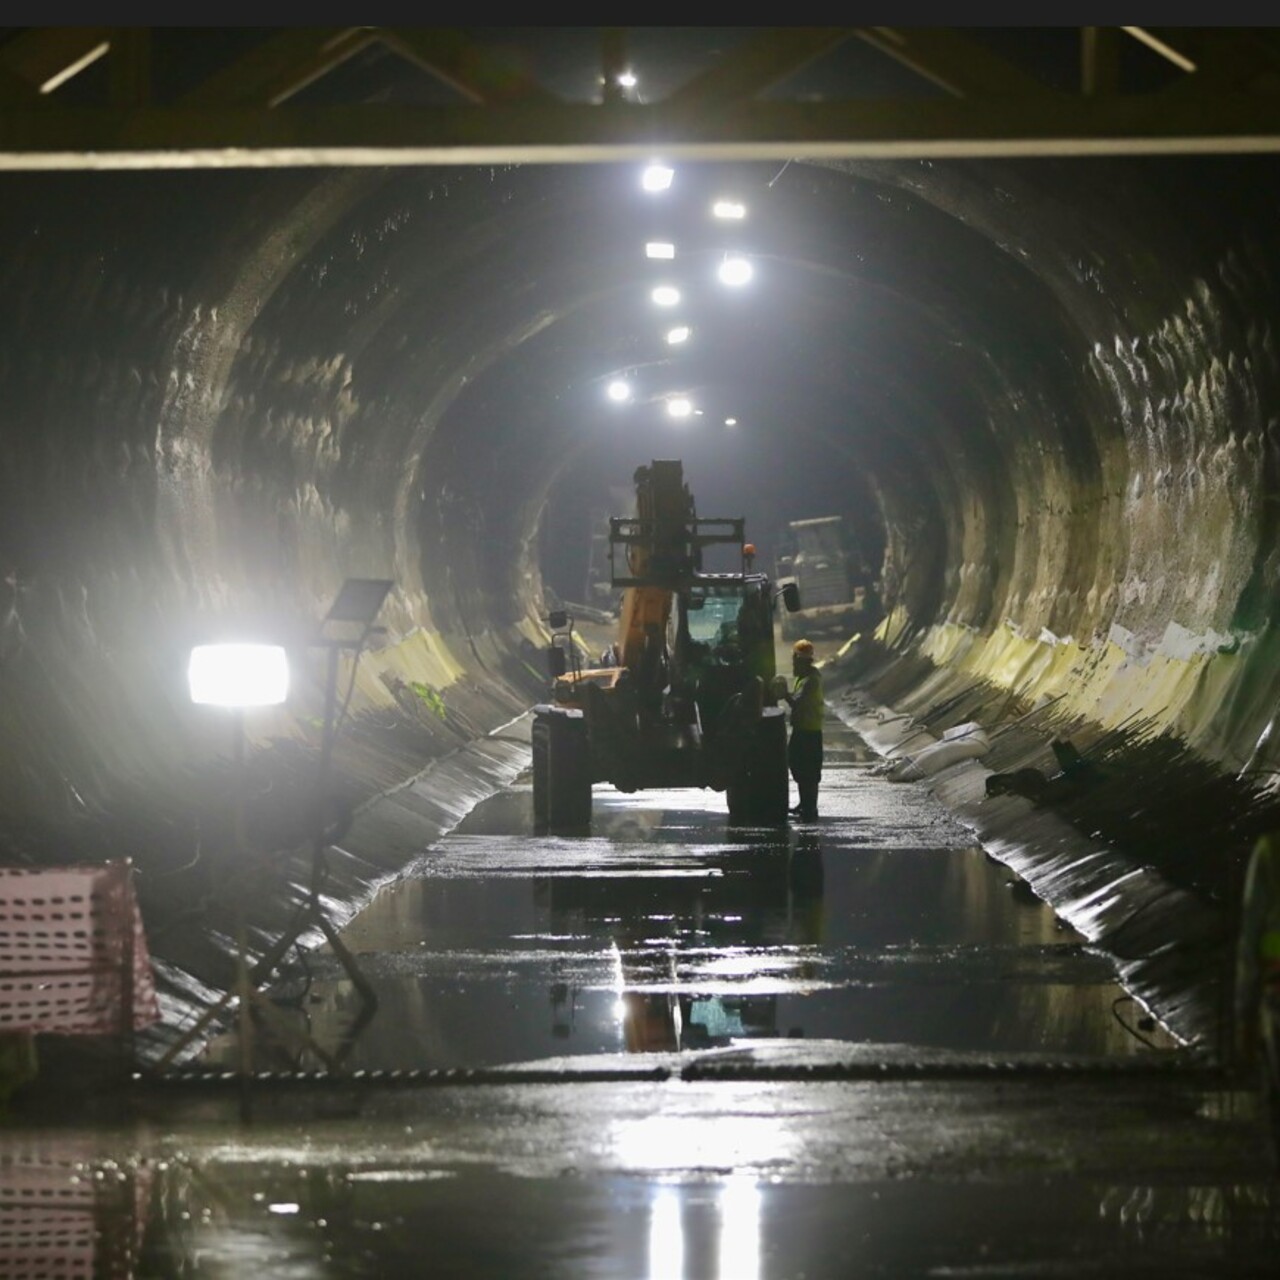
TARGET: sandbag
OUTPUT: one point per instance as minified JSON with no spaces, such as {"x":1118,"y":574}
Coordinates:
{"x":954,"y":747}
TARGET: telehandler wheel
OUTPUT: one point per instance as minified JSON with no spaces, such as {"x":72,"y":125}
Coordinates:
{"x":539,"y":735}
{"x":758,"y":795}
{"x":561,"y":770}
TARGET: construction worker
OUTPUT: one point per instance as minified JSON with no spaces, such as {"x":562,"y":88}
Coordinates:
{"x":1257,"y":987}
{"x":804,"y":752}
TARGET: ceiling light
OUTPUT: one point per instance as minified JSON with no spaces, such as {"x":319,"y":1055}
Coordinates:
{"x":666,"y":295}
{"x":679,"y":407}
{"x":619,"y":391}
{"x":729,"y":209}
{"x":657,"y":177}
{"x":659,"y":249}
{"x":735,"y":271}
{"x":679,"y":334}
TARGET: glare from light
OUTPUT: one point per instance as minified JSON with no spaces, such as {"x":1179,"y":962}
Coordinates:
{"x":651,"y":1143}
{"x":666,"y":1236}
{"x":739,"y":1251}
{"x":238,"y":675}
{"x":619,"y":992}
{"x":729,"y":209}
{"x":618,"y":391}
{"x":627,"y":80}
{"x":679,"y":407}
{"x":657,"y":177}
{"x":731,"y":422}
{"x":666,"y":295}
{"x":679,"y":334}
{"x":659,"y":249}
{"x":735,"y":271}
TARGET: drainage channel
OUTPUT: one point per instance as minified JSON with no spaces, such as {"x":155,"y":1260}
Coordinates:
{"x":1189,"y":1069}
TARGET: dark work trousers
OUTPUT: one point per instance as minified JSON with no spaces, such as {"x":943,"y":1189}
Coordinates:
{"x":804,"y":757}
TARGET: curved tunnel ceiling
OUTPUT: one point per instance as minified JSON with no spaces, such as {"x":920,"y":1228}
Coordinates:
{"x":1043,"y":390}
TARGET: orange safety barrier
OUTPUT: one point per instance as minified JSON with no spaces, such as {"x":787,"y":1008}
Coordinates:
{"x":73,"y":952}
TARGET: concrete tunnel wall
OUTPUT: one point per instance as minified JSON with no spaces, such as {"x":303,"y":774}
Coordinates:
{"x":1055,"y":382}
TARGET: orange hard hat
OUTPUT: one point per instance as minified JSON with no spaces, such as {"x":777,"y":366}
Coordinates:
{"x":803,"y":648}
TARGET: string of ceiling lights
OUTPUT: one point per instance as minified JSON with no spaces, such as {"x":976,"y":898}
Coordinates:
{"x":734,"y":271}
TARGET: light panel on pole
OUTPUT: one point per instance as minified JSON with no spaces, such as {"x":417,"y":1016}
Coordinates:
{"x":238,"y":675}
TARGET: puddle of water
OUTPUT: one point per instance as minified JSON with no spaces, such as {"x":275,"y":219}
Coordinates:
{"x":667,"y":929}
{"x":225,"y":1216}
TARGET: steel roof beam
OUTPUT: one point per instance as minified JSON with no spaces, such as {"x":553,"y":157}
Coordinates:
{"x":953,"y":62}
{"x":49,"y":137}
{"x":758,"y":64}
{"x":278,"y":68}
{"x":465,"y":66}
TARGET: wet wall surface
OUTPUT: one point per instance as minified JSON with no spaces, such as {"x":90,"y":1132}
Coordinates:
{"x":1045,"y":394}
{"x":1042,"y":393}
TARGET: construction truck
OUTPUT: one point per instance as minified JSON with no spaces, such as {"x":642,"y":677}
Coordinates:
{"x":839,"y":595}
{"x":686,"y":695}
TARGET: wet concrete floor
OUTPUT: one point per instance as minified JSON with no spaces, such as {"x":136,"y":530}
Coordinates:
{"x":665,"y":929}
{"x":670,"y":1048}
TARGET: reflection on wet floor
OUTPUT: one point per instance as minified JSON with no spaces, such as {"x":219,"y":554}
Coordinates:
{"x":728,"y":1228}
{"x":881,"y":928}
{"x":388,"y":1196}
{"x":665,"y":929}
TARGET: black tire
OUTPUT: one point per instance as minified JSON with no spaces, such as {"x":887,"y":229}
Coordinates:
{"x":758,"y":794}
{"x":539,"y":738}
{"x":561,"y":770}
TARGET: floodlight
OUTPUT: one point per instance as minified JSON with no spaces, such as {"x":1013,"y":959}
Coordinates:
{"x":238,"y":675}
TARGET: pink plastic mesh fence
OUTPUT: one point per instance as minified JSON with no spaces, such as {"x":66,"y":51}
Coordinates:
{"x":68,"y":938}
{"x":64,"y":1216}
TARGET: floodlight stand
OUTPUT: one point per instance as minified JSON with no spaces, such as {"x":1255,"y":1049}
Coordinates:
{"x":313,"y":912}
{"x":248,"y":983}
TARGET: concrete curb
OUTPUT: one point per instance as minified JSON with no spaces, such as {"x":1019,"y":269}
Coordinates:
{"x":1165,"y":943}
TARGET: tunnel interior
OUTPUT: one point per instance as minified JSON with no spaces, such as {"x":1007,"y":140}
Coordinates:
{"x":1043,"y":394}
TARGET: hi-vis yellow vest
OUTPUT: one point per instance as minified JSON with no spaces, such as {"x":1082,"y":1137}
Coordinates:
{"x":806,"y":708}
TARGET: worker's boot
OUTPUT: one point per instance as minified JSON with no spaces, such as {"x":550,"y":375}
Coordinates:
{"x":808,"y":806}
